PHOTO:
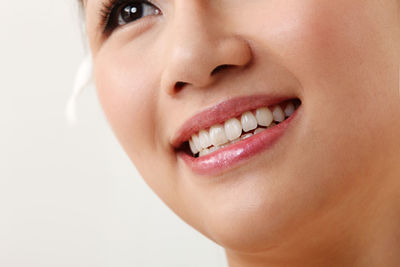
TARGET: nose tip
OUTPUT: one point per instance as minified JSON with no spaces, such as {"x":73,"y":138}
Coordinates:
{"x":199,"y":63}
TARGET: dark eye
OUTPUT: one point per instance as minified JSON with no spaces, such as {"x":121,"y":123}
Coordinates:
{"x":122,"y":14}
{"x":135,"y":11}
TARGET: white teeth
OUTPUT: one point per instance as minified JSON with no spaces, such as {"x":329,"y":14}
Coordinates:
{"x":220,"y":136}
{"x":289,"y":109}
{"x":259,"y":130}
{"x":204,"y":138}
{"x":264,"y":116}
{"x":213,"y":148}
{"x":208,"y":151}
{"x":193,"y":148}
{"x":234,"y":141}
{"x":233,"y":129}
{"x":249,"y":122}
{"x":217,"y":134}
{"x":196,"y":142}
{"x":278,"y":114}
{"x":245,"y":136}
{"x":204,"y":152}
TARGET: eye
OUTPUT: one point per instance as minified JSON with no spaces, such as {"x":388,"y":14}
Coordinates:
{"x":135,"y":11}
{"x":122,"y":12}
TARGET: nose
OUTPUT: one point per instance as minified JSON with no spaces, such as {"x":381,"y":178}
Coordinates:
{"x":199,"y":50}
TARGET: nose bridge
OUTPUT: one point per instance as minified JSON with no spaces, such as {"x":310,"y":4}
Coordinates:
{"x":197,"y":47}
{"x":191,"y":31}
{"x":192,"y":42}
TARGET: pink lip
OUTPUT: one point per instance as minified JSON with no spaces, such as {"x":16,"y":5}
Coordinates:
{"x":222,"y":112}
{"x":231,"y":155}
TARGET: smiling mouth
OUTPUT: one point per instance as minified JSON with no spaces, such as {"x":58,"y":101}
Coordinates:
{"x":238,"y":128}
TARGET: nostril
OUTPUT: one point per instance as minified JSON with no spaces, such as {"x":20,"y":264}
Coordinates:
{"x":221,"y":68}
{"x":179,"y":86}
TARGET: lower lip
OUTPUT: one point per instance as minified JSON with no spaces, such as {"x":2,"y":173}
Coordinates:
{"x":227,"y":157}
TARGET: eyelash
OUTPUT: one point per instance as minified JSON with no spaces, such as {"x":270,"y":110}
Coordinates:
{"x":110,"y":10}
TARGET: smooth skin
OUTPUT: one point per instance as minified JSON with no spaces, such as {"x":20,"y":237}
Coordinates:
{"x":328,"y":192}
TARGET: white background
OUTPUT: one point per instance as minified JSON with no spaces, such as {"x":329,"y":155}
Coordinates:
{"x":70,"y":196}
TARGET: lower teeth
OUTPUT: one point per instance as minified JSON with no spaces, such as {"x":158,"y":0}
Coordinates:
{"x":242,"y":137}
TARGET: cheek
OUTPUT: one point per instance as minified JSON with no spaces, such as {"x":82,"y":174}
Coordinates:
{"x":341,"y":53}
{"x":322,"y":41}
{"x":124,"y":94}
{"x":128,"y":90}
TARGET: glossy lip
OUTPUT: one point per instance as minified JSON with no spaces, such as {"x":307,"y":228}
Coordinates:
{"x":228,"y":157}
{"x":222,"y":112}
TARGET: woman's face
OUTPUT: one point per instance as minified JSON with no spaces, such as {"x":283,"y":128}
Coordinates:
{"x":171,"y":60}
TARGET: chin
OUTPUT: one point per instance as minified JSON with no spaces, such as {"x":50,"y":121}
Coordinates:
{"x":257,"y":211}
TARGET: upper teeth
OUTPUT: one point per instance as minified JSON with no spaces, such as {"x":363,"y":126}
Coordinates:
{"x":207,"y":141}
{"x":233,"y":129}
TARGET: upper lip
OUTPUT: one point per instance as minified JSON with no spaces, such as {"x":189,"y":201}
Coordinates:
{"x":221,"y":112}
